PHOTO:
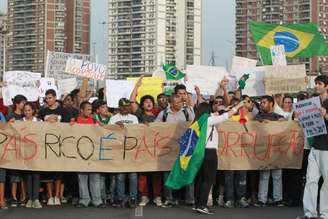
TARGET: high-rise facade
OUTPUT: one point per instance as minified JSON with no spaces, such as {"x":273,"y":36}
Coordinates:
{"x":36,"y":26}
{"x":281,"y":11}
{"x":3,"y":35}
{"x":144,"y":34}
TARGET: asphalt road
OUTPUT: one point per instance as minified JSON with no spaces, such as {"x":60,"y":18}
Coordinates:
{"x":149,"y":212}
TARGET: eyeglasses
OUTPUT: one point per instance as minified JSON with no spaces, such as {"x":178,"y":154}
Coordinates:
{"x":218,"y":102}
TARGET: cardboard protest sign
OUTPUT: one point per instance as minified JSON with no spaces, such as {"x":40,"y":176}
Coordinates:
{"x":205,"y":77}
{"x":38,"y":146}
{"x":285,"y":79}
{"x":308,"y":114}
{"x":20,"y":82}
{"x":86,"y":69}
{"x":278,"y":55}
{"x":65,"y":86}
{"x":47,"y":84}
{"x":274,"y":145}
{"x":150,"y":86}
{"x":117,"y":89}
{"x":56,"y":64}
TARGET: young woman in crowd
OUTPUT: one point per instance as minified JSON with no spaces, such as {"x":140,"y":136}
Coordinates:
{"x":33,"y":178}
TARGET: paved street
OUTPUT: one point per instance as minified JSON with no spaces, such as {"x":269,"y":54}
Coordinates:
{"x":150,"y":213}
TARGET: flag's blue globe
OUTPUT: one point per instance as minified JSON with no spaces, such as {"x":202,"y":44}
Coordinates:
{"x":188,"y":142}
{"x":289,"y":40}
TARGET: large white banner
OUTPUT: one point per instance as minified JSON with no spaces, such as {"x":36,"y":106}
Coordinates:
{"x":56,"y":64}
{"x":20,"y":82}
{"x":205,"y":77}
{"x":117,"y":89}
{"x":86,"y":69}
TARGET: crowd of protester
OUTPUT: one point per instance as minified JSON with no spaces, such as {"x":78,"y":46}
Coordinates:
{"x":212,"y":187}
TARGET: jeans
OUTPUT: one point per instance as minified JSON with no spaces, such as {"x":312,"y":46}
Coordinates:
{"x":168,"y":193}
{"x":112,"y":187}
{"x":103,"y":186}
{"x":264,"y":184}
{"x":317,"y":167}
{"x":92,"y":181}
{"x":235,"y":179}
{"x":133,"y":186}
{"x":33,"y":185}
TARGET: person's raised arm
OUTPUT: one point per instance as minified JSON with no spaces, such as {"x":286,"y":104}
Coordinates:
{"x":133,"y":96}
{"x":215,"y":118}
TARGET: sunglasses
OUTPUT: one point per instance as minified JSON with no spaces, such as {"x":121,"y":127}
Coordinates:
{"x":218,"y":102}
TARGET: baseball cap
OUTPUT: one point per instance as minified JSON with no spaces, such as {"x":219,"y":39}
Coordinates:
{"x":124,"y":102}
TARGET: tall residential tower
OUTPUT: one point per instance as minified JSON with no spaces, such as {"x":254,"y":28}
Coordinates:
{"x":36,"y":26}
{"x":281,"y":11}
{"x":144,"y":34}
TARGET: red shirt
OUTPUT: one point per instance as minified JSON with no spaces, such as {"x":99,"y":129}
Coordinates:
{"x":82,"y":120}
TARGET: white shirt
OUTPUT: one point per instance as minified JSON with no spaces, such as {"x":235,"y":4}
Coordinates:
{"x":280,"y":111}
{"x":212,"y":142}
{"x":125,"y":119}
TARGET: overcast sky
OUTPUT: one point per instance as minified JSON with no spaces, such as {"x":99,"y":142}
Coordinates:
{"x":218,"y":29}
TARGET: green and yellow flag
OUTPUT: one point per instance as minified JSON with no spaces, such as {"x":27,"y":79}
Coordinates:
{"x":172,"y":73}
{"x":191,"y":155}
{"x":299,"y":40}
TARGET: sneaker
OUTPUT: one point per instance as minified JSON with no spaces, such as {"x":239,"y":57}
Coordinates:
{"x":102,"y":205}
{"x":63,"y":200}
{"x":36,"y":204}
{"x":278,"y":204}
{"x":14,"y":203}
{"x":229,"y":204}
{"x":221,"y":201}
{"x":243,"y":203}
{"x":79,"y":205}
{"x":176,"y":202}
{"x":259,"y":204}
{"x":3,"y":206}
{"x":144,"y":201}
{"x":132,"y":203}
{"x":29,"y":204}
{"x":51,"y":201}
{"x":167,"y":204}
{"x":204,"y":211}
{"x":22,"y":203}
{"x":118,"y":204}
{"x":158,"y":201}
{"x":57,"y":201}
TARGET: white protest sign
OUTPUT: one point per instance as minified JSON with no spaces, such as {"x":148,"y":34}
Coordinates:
{"x":65,"y":86}
{"x":278,"y":55}
{"x":56,"y":64}
{"x":308,"y":114}
{"x":47,"y":84}
{"x":20,"y":82}
{"x":285,"y":79}
{"x":205,"y":77}
{"x":241,"y":66}
{"x":86,"y":69}
{"x":117,"y":89}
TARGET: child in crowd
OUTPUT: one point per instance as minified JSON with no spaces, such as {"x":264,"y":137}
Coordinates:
{"x":33,"y":178}
{"x":93,"y":179}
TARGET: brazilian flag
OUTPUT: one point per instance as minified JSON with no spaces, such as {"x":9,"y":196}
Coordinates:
{"x":191,"y":155}
{"x":172,"y":73}
{"x":299,"y":40}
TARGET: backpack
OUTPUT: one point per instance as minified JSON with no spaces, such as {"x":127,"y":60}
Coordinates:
{"x":184,"y":110}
